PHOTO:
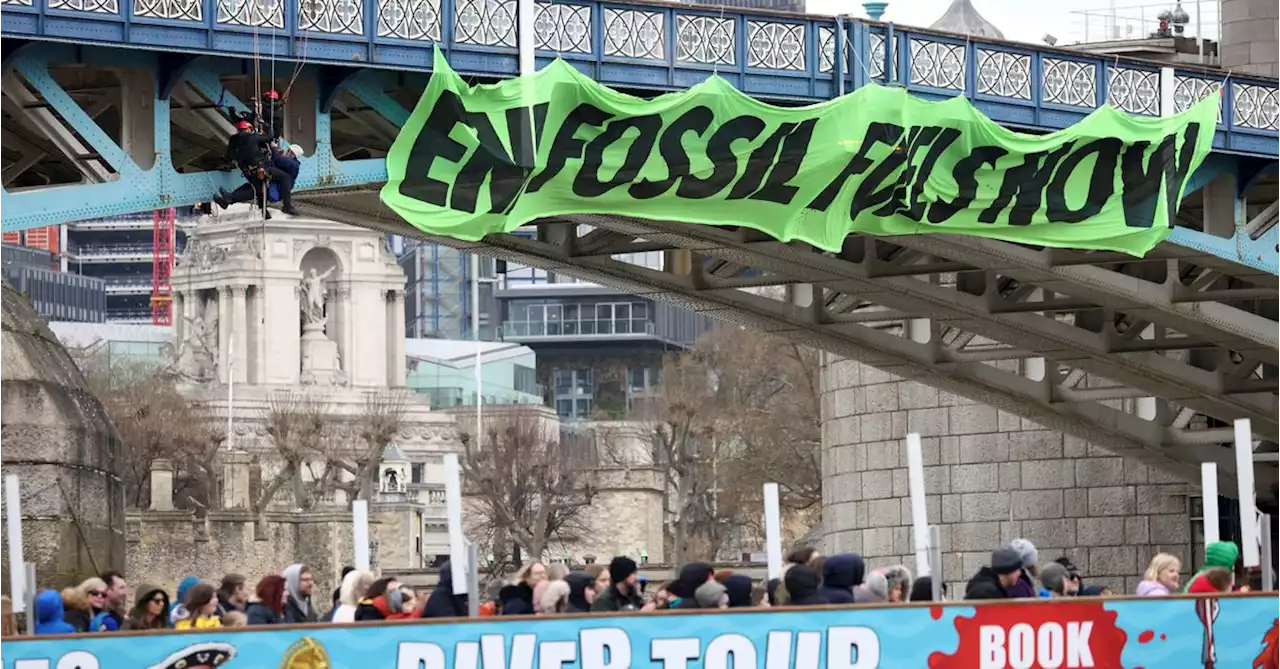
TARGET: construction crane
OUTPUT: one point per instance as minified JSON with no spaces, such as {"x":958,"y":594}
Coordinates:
{"x":164,"y":238}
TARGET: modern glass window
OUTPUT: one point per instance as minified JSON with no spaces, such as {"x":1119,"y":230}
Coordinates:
{"x":574,"y":393}
{"x":545,"y":319}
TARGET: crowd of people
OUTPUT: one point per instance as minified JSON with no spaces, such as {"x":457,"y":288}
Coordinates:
{"x":809,"y":579}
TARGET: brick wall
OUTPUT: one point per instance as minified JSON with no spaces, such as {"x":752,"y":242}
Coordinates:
{"x":991,"y":477}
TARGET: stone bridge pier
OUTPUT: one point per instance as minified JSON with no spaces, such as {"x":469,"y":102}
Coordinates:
{"x":990,"y":477}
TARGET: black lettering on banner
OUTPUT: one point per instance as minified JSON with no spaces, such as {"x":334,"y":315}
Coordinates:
{"x":1102,"y":182}
{"x":433,"y":142}
{"x":1141,"y":184}
{"x":671,"y":148}
{"x":877,"y":133}
{"x":490,"y":161}
{"x":588,"y":184}
{"x":758,"y":163}
{"x":724,"y":162}
{"x":965,"y":174}
{"x":867,"y":197}
{"x":1024,"y":186}
{"x":916,"y":206}
{"x":919,"y":137}
{"x":566,"y":145}
{"x":790,"y":158}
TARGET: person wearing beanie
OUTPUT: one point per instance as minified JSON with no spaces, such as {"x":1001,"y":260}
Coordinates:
{"x":740,"y":590}
{"x":1217,"y":554}
{"x":994,"y":582}
{"x":874,"y":590}
{"x":1053,"y":580}
{"x":802,"y":587}
{"x":1030,"y":558}
{"x":712,"y":595}
{"x":841,"y":574}
{"x":623,"y":593}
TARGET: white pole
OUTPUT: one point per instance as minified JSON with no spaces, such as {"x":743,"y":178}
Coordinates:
{"x":473,"y":580}
{"x":919,"y":516}
{"x":13,"y":519}
{"x":1209,"y":501}
{"x":360,"y":530}
{"x":475,"y":334}
{"x":773,"y":530}
{"x":524,"y":36}
{"x":231,"y":372}
{"x":1244,"y":483}
{"x":453,"y":507}
{"x":1268,"y":554}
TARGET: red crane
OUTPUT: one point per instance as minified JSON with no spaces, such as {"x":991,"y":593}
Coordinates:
{"x":164,"y":238}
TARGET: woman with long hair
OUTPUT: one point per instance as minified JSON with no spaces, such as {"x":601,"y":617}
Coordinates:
{"x":267,"y":605}
{"x":150,"y":610}
{"x":202,"y":604}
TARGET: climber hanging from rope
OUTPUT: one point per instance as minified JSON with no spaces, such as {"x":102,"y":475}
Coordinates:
{"x":253,"y":154}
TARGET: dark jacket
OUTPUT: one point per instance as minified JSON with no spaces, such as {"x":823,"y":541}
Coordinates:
{"x":985,"y":585}
{"x":77,"y":619}
{"x":686,"y":585}
{"x":443,"y":603}
{"x":247,"y":149}
{"x":138,"y":616}
{"x":288,"y":165}
{"x":1024,"y":587}
{"x":840,"y":575}
{"x":802,"y":587}
{"x":516,"y":600}
{"x":578,"y":582}
{"x":259,"y":614}
{"x":49,"y":614}
{"x":612,"y":600}
{"x":739,"y":588}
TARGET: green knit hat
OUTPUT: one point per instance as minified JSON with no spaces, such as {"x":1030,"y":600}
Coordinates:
{"x":1217,"y":554}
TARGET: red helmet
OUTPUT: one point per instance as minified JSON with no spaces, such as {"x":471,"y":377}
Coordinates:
{"x":271,"y":95}
{"x":244,"y":125}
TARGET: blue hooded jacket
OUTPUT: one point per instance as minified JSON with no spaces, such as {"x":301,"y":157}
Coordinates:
{"x":49,"y":614}
{"x":183,"y":586}
{"x":840,"y":575}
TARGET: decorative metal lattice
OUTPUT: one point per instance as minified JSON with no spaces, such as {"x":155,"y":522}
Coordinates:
{"x":409,"y":19}
{"x":937,"y":64}
{"x":172,"y":10}
{"x":1135,"y":91}
{"x":1190,"y":90}
{"x":20,"y":3}
{"x":1255,"y":106}
{"x":562,"y":28}
{"x":252,"y":13}
{"x":485,"y":22}
{"x":775,"y":46}
{"x":705,"y":39}
{"x":876,"y":57}
{"x":340,"y":17}
{"x":632,"y":33}
{"x":1070,"y":82}
{"x":1005,"y":74}
{"x":93,"y":6}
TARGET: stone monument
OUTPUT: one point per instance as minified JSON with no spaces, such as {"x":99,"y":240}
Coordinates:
{"x":316,"y":308}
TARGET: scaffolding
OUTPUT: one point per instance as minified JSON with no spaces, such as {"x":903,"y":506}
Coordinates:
{"x":164,"y":238}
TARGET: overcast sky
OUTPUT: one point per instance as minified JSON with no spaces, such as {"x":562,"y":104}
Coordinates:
{"x":1029,"y":20}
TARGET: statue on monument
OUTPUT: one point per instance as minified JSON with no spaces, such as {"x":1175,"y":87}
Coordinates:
{"x":313,"y":293}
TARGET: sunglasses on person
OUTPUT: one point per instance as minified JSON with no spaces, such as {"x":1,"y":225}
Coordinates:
{"x":97,"y":593}
{"x":157,"y":600}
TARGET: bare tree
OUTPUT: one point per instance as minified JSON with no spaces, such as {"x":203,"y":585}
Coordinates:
{"x":529,"y":486}
{"x":737,"y":410}
{"x":155,"y":421}
{"x":300,"y":424}
{"x":379,"y":422}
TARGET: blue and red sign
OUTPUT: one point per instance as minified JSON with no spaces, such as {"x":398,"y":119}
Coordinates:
{"x":1232,"y":632}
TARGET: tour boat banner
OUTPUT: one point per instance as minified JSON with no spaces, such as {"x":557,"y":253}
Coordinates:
{"x":474,"y":160}
{"x":1155,"y":633}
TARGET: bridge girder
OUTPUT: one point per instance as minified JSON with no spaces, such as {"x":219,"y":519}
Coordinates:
{"x":989,"y":315}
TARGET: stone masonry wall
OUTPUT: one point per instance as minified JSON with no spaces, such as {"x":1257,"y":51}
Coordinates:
{"x":166,"y":546}
{"x":990,"y":477}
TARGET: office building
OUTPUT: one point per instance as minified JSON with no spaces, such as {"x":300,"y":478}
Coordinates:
{"x":54,"y":295}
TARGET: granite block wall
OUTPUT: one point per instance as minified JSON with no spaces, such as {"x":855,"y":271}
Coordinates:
{"x":991,"y":477}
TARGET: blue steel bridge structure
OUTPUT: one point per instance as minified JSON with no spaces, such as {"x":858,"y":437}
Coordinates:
{"x":110,"y":107}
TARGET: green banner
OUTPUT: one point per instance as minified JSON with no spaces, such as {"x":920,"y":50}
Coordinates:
{"x":476,"y":160}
